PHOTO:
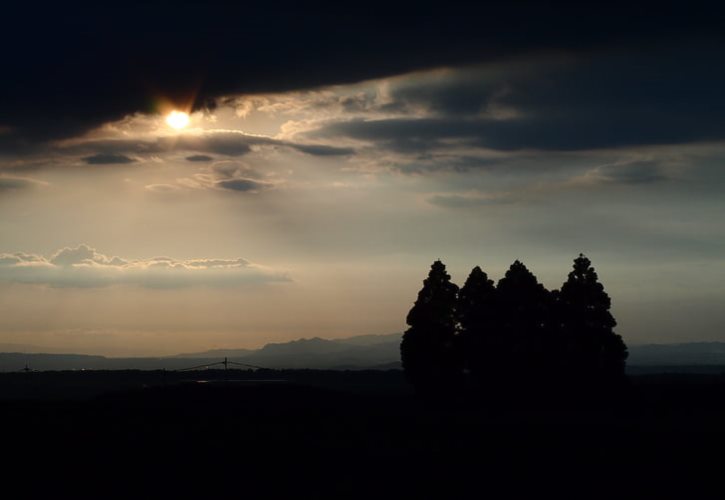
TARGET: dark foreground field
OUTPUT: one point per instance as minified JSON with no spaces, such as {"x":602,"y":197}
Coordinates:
{"x":307,"y":434}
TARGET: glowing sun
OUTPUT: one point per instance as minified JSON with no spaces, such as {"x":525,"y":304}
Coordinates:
{"x":177,"y":119}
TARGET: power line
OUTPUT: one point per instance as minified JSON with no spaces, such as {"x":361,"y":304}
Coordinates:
{"x":224,"y":363}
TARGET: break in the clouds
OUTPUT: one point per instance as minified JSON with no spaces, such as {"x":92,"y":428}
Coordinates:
{"x":84,"y":267}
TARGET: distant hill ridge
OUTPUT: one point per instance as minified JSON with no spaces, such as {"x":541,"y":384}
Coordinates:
{"x":360,"y":352}
{"x":315,"y":344}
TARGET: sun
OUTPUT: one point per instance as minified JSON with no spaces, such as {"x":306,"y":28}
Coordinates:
{"x":177,"y":119}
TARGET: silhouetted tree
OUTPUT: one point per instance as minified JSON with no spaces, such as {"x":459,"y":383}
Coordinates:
{"x":587,"y":325}
{"x":518,"y":341}
{"x":523,"y":308}
{"x":427,"y":349}
{"x":476,"y":313}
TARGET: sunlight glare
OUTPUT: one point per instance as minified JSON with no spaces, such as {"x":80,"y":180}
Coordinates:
{"x":177,"y":119}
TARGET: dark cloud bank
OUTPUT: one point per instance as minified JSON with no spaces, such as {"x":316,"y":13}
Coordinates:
{"x":71,"y":69}
{"x":621,"y":98}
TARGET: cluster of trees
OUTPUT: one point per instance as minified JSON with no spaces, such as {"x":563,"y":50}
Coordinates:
{"x":516,"y":332}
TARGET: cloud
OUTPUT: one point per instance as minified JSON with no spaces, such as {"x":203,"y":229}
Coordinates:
{"x":114,"y":67}
{"x":201,"y":158}
{"x":469,"y":200}
{"x":8,"y":183}
{"x":84,"y":267}
{"x":241,"y":185}
{"x":232,"y":175}
{"x":115,"y":150}
{"x":527,"y":189}
{"x":456,"y":119}
{"x":230,"y":143}
{"x":321,"y":150}
{"x":107,"y":159}
{"x":163,"y":188}
{"x":226,"y":175}
{"x":456,"y":162}
{"x":613,"y":99}
{"x":633,"y":172}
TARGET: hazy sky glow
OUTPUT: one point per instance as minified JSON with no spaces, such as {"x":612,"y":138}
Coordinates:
{"x":317,"y":210}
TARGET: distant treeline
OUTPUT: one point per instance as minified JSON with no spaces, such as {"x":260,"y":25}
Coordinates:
{"x":515,"y":335}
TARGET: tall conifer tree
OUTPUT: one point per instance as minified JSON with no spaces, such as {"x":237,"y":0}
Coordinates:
{"x":523,"y":311}
{"x":427,"y":349}
{"x":476,"y":312}
{"x":588,"y":325}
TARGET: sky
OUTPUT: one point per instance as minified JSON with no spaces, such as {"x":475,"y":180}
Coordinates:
{"x":332,"y":154}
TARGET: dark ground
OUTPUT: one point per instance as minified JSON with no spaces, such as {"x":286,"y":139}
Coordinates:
{"x":317,"y":434}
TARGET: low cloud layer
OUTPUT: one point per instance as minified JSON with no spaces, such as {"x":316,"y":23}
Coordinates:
{"x":84,"y":267}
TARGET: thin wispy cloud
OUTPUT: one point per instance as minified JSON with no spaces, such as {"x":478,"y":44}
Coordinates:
{"x":11,"y":183}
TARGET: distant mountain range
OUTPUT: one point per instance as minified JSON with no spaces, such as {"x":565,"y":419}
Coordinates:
{"x":354,"y":353}
{"x":365,"y":351}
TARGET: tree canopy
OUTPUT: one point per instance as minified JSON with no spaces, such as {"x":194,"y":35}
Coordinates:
{"x":427,"y":349}
{"x":587,"y":324}
{"x":477,"y":322}
{"x":517,"y":331}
